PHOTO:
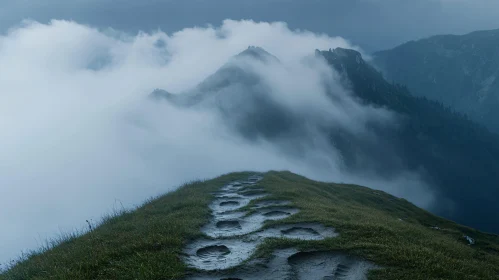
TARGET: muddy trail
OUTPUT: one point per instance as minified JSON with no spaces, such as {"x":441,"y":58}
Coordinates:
{"x":233,"y":235}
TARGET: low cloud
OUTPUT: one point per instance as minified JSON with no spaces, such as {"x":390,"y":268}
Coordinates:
{"x":79,"y":133}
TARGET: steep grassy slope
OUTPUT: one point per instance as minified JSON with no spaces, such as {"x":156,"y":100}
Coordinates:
{"x":144,"y":244}
{"x":391,"y":232}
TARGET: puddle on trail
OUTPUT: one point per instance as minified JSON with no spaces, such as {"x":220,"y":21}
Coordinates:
{"x":237,"y":235}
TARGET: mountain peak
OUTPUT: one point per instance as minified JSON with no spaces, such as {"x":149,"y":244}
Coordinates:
{"x":346,"y":52}
{"x":341,"y":59}
{"x":341,"y":54}
{"x":257,"y":53}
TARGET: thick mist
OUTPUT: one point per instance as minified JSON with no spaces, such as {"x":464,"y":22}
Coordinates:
{"x":81,"y":135}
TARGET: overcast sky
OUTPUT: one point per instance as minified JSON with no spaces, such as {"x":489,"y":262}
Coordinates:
{"x":372,"y":24}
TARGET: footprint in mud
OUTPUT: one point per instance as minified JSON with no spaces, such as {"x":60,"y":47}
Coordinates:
{"x":211,"y":252}
{"x":228,"y":225}
{"x":209,"y":255}
{"x":329,"y":265}
{"x":238,"y":223}
{"x":242,"y":234}
{"x":227,"y":195}
{"x":221,"y":205}
{"x":300,"y":232}
{"x":342,"y":271}
{"x":232,"y":187}
{"x":293,"y":264}
{"x":248,"y":183}
{"x":230,"y":203}
{"x":270,"y":203}
{"x":303,"y":231}
{"x":253,"y":192}
{"x":253,"y":187}
{"x":276,"y":214}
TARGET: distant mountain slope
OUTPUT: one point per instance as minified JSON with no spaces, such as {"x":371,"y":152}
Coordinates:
{"x":460,"y":71}
{"x":402,"y":240}
{"x":461,"y":157}
{"x":458,"y":158}
{"x":243,"y":98}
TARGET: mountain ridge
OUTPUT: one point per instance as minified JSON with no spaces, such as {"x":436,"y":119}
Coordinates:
{"x":460,"y":71}
{"x":435,"y":136}
{"x":429,"y":139}
{"x":393,"y":237}
{"x":404,"y":241}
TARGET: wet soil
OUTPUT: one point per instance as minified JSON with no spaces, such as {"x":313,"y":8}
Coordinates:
{"x":235,"y":235}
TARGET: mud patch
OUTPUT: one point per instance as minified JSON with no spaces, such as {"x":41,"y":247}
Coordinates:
{"x":224,"y":205}
{"x":270,"y":203}
{"x":253,"y":194}
{"x":275,"y":214}
{"x":229,"y":196}
{"x":212,"y":252}
{"x":230,"y":203}
{"x":218,"y":254}
{"x":228,"y":225}
{"x":328,"y":265}
{"x":242,"y":234}
{"x":293,"y":264}
{"x":252,"y":188}
{"x":299,"y":232}
{"x":302,"y":231}
{"x":248,"y":224}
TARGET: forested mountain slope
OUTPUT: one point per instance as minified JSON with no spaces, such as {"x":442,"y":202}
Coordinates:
{"x":460,"y":71}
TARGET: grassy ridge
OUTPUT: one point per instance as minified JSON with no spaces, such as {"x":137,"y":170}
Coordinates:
{"x":391,"y":232}
{"x":143,"y":244}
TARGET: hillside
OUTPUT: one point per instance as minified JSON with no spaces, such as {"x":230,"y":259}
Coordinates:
{"x":457,"y":157}
{"x":459,"y":71}
{"x":369,"y":231}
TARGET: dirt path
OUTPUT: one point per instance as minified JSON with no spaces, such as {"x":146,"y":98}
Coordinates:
{"x":235,"y":234}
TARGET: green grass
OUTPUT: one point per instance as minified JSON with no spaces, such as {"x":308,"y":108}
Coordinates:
{"x":147,"y":243}
{"x":369,"y":225}
{"x":143,"y":244}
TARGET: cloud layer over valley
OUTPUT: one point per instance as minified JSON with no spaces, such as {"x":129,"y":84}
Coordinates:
{"x":79,"y":133}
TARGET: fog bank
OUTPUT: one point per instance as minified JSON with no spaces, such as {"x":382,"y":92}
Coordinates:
{"x":80,"y":135}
